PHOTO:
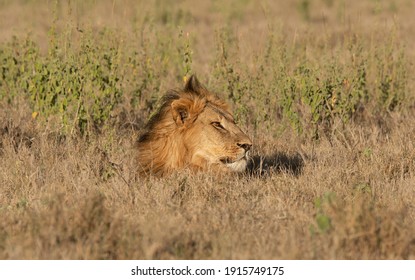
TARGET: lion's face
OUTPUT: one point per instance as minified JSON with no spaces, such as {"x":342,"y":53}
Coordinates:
{"x":219,"y":142}
{"x":194,"y":129}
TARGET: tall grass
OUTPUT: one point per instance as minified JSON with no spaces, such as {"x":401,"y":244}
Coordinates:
{"x":325,"y":93}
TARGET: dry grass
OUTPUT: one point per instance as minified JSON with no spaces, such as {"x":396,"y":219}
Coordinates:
{"x":349,"y":195}
{"x":65,"y":199}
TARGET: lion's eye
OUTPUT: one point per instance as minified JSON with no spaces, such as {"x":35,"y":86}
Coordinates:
{"x":217,"y":125}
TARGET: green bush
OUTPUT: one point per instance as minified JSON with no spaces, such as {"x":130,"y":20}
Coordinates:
{"x":80,"y":84}
{"x":81,"y":87}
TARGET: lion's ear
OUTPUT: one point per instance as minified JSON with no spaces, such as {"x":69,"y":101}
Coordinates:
{"x":180,"y":110}
{"x":193,"y":85}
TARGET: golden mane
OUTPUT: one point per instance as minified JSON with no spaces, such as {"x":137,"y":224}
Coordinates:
{"x":164,"y":144}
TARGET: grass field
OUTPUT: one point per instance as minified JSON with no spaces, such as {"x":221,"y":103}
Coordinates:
{"x":324,"y":88}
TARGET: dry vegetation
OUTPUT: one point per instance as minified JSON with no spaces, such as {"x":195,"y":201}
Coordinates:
{"x":324,"y":88}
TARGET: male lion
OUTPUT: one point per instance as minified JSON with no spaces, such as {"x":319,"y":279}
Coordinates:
{"x":192,"y":129}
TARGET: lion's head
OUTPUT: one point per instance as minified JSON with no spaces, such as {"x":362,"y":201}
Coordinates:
{"x":192,"y":129}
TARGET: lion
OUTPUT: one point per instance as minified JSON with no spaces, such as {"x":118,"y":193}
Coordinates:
{"x":192,"y":129}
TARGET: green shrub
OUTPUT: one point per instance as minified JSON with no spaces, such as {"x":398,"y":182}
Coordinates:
{"x":80,"y":84}
{"x":81,"y":87}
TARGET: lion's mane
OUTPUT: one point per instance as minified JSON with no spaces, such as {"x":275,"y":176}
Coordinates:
{"x":161,"y":146}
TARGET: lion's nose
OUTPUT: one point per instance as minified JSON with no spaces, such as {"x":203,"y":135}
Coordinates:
{"x":245,"y":146}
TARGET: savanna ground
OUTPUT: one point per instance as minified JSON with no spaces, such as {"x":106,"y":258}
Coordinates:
{"x":324,"y":88}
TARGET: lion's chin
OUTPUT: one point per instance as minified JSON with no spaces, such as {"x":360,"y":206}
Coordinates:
{"x":237,"y":166}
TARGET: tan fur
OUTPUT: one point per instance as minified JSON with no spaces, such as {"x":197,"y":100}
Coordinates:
{"x":192,"y":129}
